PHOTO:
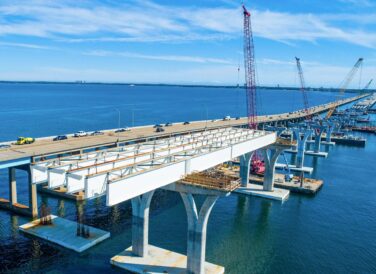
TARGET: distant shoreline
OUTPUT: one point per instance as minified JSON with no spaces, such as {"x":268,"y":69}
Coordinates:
{"x":178,"y":85}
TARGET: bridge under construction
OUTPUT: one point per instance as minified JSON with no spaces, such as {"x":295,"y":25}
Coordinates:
{"x":132,"y":165}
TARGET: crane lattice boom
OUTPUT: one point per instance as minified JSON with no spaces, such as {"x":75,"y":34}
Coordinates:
{"x":249,"y":68}
{"x":345,"y":84}
{"x":368,"y":85}
{"x":302,"y":88}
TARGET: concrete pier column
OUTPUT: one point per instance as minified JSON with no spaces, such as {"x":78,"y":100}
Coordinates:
{"x":245,"y":165}
{"x":197,"y":224}
{"x":140,"y":223}
{"x":329,"y":131}
{"x":318,"y":131}
{"x":33,"y":199}
{"x":12,"y":186}
{"x":270,"y":158}
{"x":301,"y":144}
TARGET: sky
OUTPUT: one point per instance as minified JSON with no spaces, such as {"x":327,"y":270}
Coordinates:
{"x":186,"y":42}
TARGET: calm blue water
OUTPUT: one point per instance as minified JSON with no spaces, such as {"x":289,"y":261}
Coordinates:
{"x":332,"y":232}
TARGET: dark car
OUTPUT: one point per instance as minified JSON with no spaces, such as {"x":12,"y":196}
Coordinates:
{"x":157,"y":126}
{"x":60,"y":137}
{"x":159,"y":129}
{"x":97,"y":132}
{"x":186,"y":123}
{"x":120,"y":130}
{"x":237,"y":118}
{"x":4,"y":146}
{"x":168,"y":124}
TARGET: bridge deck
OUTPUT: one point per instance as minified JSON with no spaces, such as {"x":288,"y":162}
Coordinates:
{"x":45,"y":146}
{"x":147,"y":165}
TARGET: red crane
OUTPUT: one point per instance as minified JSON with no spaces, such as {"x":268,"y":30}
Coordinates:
{"x":249,"y":69}
{"x":257,"y":165}
{"x":302,"y":88}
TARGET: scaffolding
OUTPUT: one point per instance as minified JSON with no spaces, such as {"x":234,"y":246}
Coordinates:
{"x":212,"y":178}
{"x":285,"y":142}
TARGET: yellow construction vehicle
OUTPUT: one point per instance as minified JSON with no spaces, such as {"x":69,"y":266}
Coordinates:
{"x":25,"y":140}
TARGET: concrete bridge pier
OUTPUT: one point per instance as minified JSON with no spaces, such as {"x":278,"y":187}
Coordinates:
{"x":245,"y":168}
{"x":301,"y":136}
{"x":33,"y":198}
{"x":144,"y":258}
{"x":267,"y":189}
{"x":270,"y":158}
{"x":330,"y":127}
{"x":329,"y":131}
{"x":12,"y":186}
{"x":301,"y":144}
{"x":196,"y":238}
{"x":12,"y":204}
{"x":140,"y":224}
{"x":318,"y":130}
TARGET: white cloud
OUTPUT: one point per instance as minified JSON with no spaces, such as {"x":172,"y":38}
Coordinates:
{"x":174,"y":58}
{"x":360,"y":3}
{"x":24,"y":45}
{"x":145,"y":21}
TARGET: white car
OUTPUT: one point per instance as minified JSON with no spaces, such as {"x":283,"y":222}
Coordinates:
{"x":80,"y":134}
{"x":227,"y":118}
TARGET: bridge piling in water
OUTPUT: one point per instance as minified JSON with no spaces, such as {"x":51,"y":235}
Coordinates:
{"x":245,"y":168}
{"x":12,"y":186}
{"x":140,"y":223}
{"x":142,"y":257}
{"x":318,"y":131}
{"x":301,"y":144}
{"x":271,"y":155}
{"x":197,"y":224}
{"x":12,"y":204}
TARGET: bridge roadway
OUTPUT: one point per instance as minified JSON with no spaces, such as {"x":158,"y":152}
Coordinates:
{"x":46,"y":146}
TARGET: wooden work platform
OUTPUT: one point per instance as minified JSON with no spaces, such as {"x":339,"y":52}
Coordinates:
{"x":158,"y":260}
{"x":310,"y":186}
{"x":63,"y":232}
{"x":61,"y":192}
{"x":16,"y":208}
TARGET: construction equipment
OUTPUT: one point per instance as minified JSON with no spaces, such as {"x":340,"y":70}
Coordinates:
{"x":302,"y":89}
{"x":249,"y":69}
{"x":25,"y":140}
{"x":257,"y":165}
{"x":344,"y":85}
{"x":288,"y":176}
{"x":368,"y":85}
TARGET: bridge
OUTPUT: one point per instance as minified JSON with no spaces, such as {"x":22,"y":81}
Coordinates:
{"x":132,"y":165}
{"x":45,"y":147}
